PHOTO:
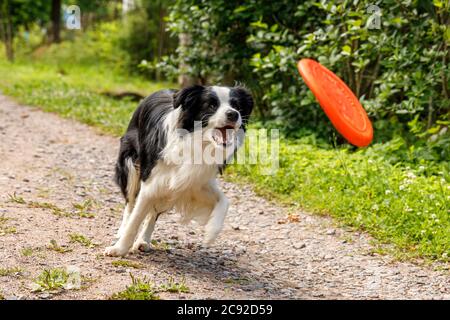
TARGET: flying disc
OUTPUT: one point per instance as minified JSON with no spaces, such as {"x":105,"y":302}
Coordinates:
{"x":338,"y":102}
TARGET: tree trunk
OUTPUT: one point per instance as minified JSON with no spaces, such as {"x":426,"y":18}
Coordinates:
{"x":56,"y":21}
{"x":116,"y":9}
{"x":6,"y":30}
{"x":185,"y":79}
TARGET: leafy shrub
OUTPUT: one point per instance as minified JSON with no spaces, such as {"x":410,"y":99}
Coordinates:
{"x":400,"y":72}
{"x":144,"y":37}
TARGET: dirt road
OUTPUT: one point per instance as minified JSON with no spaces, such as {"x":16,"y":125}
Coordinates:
{"x":56,"y":194}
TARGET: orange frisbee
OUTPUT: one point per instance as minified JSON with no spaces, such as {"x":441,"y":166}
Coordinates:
{"x":339,"y":103}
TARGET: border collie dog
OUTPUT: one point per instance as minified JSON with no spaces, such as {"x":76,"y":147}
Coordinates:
{"x":161,"y":164}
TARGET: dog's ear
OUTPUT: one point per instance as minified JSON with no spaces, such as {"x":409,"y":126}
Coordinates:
{"x":245,"y":102}
{"x":188,"y":96}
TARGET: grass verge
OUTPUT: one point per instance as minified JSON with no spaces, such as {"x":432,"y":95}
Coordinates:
{"x":74,"y":91}
{"x":400,"y":206}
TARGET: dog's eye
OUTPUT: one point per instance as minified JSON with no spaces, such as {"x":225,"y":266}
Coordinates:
{"x":235,"y":103}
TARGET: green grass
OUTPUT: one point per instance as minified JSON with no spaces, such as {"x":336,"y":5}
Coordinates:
{"x":16,"y":199}
{"x":160,"y":245}
{"x":51,"y":280}
{"x":4,"y":272}
{"x":127,"y":264}
{"x":81,"y":210}
{"x":27,"y":252}
{"x":84,"y":209}
{"x":142,"y":289}
{"x":57,"y":248}
{"x":4,"y":228}
{"x":396,"y":205}
{"x":138,"y":290}
{"x":407,"y":207}
{"x":57,"y":211}
{"x":175,"y":287}
{"x":75,"y":93}
{"x":83,"y":240}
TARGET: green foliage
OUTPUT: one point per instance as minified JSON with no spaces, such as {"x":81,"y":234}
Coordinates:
{"x":100,"y":9}
{"x":23,"y":14}
{"x":400,"y":71}
{"x":217,"y":39}
{"x":144,"y":37}
{"x":97,"y":44}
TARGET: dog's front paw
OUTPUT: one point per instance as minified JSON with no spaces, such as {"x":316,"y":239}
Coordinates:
{"x":141,"y":246}
{"x":209,"y":238}
{"x":115,"y":251}
{"x":211,"y":233}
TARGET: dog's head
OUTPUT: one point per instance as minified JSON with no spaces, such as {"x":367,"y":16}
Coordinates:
{"x":219,"y":110}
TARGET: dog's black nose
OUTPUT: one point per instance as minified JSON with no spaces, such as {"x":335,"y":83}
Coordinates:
{"x":232,"y":115}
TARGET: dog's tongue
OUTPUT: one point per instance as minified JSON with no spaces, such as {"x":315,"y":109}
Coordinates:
{"x":222,"y":136}
{"x":223,"y":132}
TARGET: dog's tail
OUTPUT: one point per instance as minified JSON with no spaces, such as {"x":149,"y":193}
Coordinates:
{"x":127,"y":174}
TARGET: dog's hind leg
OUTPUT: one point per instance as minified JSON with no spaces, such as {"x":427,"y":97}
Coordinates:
{"x":141,"y":209}
{"x":132,"y":190}
{"x":142,"y":242}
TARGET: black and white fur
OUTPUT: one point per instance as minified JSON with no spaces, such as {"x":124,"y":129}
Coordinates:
{"x":152,"y":182}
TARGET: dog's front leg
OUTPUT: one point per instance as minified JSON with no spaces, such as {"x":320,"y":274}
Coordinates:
{"x":126,"y":215}
{"x":140,"y":211}
{"x":217,"y":217}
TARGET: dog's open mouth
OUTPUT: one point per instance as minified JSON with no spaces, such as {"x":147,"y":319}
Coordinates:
{"x":224,"y":135}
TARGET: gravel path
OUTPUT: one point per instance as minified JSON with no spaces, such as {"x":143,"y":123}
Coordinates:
{"x":60,"y":166}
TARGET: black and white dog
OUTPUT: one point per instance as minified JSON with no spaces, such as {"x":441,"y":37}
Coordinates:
{"x":156,"y":170}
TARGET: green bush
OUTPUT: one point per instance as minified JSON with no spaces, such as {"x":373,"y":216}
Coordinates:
{"x":400,"y":72}
{"x":144,"y":37}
